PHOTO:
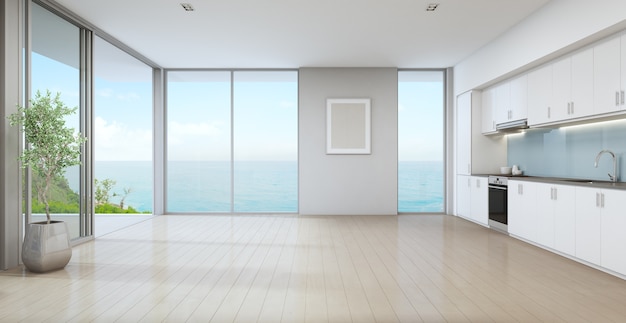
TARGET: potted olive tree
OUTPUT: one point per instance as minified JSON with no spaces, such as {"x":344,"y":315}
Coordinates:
{"x":52,"y":148}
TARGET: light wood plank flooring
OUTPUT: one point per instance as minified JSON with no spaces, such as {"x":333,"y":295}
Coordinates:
{"x":409,"y":268}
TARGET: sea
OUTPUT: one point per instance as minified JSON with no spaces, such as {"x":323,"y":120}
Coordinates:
{"x":258,"y":186}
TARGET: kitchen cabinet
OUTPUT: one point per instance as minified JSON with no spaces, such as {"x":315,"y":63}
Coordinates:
{"x":581,"y":102}
{"x":539,"y":95}
{"x":464,"y":134}
{"x":556,"y":217}
{"x":488,"y":124}
{"x":522,"y":211}
{"x":562,"y":90}
{"x":588,"y":224}
{"x":475,"y":153}
{"x":613,"y":224}
{"x":463,"y":196}
{"x":607,"y":75}
{"x":473,"y":198}
{"x":511,"y":100}
{"x":479,"y":203}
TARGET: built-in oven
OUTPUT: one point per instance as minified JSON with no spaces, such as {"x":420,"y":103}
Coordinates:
{"x":498,"y":203}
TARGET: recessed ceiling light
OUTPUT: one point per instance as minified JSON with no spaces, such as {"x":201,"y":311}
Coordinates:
{"x":187,"y":6}
{"x":432,"y":7}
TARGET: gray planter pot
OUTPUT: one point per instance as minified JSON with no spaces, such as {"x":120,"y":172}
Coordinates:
{"x":46,"y":246}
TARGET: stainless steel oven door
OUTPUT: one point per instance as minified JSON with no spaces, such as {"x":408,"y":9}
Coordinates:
{"x":498,"y":207}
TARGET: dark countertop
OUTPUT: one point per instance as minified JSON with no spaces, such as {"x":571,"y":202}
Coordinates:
{"x":572,"y":182}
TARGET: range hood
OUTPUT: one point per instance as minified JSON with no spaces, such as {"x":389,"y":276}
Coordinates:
{"x":512,"y":126}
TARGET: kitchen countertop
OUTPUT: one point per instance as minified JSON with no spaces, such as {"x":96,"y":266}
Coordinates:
{"x":572,"y":181}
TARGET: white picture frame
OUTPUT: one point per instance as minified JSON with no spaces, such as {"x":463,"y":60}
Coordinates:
{"x":348,"y":126}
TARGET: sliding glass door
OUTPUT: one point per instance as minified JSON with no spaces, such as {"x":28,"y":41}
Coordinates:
{"x":55,"y":66}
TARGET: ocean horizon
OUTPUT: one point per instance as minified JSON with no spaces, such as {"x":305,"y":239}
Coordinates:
{"x":260,"y":186}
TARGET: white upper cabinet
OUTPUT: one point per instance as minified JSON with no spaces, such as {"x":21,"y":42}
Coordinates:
{"x":511,"y":100}
{"x":540,"y":95}
{"x":488,"y":124}
{"x":519,"y":98}
{"x":502,"y":102}
{"x":562,"y":90}
{"x":581,"y":102}
{"x":607,"y":76}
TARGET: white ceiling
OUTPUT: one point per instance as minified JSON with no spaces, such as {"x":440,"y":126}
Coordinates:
{"x":304,"y":33}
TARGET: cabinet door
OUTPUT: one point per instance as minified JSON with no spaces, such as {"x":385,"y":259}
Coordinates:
{"x":565,"y":219}
{"x":582,"y":84}
{"x":519,"y":98}
{"x":464,"y":133}
{"x":545,"y":214}
{"x":503,"y":102}
{"x":607,"y":75}
{"x":561,"y":89}
{"x":463,"y":196}
{"x":479,"y":203}
{"x":613,"y":226}
{"x":488,"y":113}
{"x":522,"y":220}
{"x":588,"y":229}
{"x":539,"y":95}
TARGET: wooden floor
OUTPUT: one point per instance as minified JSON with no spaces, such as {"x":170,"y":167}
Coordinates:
{"x":412,"y":268}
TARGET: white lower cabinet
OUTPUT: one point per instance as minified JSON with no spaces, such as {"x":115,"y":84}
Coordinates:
{"x":463,"y":196}
{"x":588,"y":224}
{"x":613,"y":230}
{"x":556,"y":217}
{"x":522,"y":209}
{"x":583,"y":222}
{"x":480,"y":200}
{"x":472,"y":200}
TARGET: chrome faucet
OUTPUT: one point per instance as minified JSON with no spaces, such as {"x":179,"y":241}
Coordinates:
{"x":613,"y":177}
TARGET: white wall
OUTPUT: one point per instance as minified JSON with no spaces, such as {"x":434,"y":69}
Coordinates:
{"x":348,"y":184}
{"x":553,"y":30}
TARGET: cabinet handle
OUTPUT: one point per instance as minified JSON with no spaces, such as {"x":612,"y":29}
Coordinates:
{"x":602,"y":200}
{"x":552,"y":193}
{"x":597,"y":199}
{"x":555,"y":192}
{"x":569,"y":107}
{"x":493,"y":124}
{"x":548,"y":112}
{"x":622,"y":97}
{"x":521,"y":189}
{"x":616,"y":98}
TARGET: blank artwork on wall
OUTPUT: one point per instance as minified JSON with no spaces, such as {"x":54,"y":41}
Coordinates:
{"x":348,"y":126}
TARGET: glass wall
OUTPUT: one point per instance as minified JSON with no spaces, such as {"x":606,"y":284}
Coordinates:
{"x":266,"y":141}
{"x":55,"y":67}
{"x":231,"y":155}
{"x":421,"y":136}
{"x":198,"y":142}
{"x":122,"y":138}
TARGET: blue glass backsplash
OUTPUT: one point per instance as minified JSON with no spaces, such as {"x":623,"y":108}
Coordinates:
{"x":570,"y":151}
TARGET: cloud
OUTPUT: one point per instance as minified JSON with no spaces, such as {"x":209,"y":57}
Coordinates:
{"x":118,"y":141}
{"x":182,"y":132}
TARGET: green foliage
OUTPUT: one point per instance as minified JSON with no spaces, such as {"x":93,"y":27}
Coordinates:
{"x":102,"y":194}
{"x":52,"y":145}
{"x":111,"y":208}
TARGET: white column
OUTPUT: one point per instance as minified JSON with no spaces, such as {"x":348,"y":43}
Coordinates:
{"x":11,"y":40}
